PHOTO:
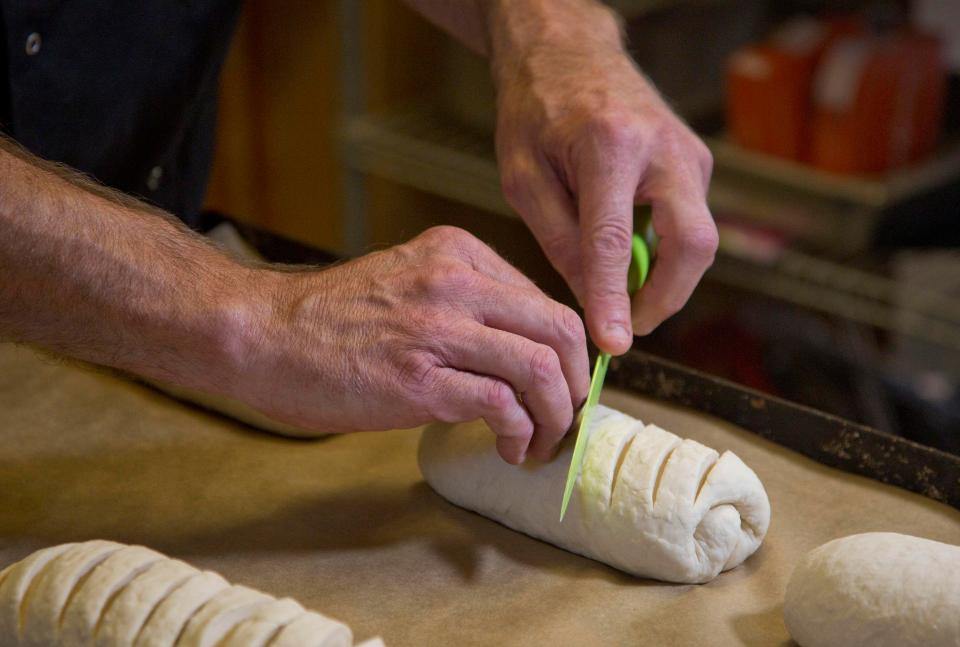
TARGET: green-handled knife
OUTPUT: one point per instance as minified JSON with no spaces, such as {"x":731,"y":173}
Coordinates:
{"x":639,"y":267}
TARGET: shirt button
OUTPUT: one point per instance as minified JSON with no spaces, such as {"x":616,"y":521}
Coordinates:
{"x":33,"y":43}
{"x":153,"y":180}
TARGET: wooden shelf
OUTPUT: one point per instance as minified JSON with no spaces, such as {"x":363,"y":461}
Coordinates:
{"x":875,"y":193}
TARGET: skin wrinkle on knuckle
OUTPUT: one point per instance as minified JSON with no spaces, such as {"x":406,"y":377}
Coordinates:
{"x":498,"y":398}
{"x":544,"y":368}
{"x":569,"y":327}
{"x":417,"y":374}
{"x":608,"y":242}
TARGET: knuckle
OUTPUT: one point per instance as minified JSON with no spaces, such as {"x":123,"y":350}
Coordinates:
{"x":610,"y":236}
{"x":498,"y":396}
{"x":569,"y":327}
{"x":443,"y":234}
{"x":700,"y":243}
{"x":443,"y":276}
{"x":455,"y":243}
{"x":417,"y":371}
{"x":544,"y":367}
{"x":673,"y":141}
{"x":615,"y":128}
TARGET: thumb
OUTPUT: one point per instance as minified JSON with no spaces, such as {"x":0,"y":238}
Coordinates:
{"x":606,"y":216}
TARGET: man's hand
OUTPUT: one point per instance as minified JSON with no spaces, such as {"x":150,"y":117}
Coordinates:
{"x":440,"y":328}
{"x":582,"y":136}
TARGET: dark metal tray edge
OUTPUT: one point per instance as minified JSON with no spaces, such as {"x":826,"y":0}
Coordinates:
{"x":826,"y":439}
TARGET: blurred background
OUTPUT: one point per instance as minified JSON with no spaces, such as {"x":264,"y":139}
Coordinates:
{"x":835,"y":128}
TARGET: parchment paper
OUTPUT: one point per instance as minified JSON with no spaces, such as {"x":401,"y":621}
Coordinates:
{"x":347,"y":526}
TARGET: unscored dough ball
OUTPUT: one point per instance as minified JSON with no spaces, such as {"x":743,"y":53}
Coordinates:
{"x":878,"y":589}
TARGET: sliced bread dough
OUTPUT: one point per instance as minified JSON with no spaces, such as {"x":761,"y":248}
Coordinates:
{"x":105,"y":594}
{"x":879,"y":589}
{"x":168,"y":619}
{"x":313,"y":630}
{"x":646,"y":501}
{"x":126,"y":614}
{"x":81,"y":617}
{"x":263,"y":624}
{"x":53,"y":586}
{"x":13,"y":588}
{"x":220,"y":615}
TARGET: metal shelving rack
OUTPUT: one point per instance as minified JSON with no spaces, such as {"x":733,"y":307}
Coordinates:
{"x":421,"y":147}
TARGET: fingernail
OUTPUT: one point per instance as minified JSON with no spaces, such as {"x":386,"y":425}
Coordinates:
{"x":618,"y":333}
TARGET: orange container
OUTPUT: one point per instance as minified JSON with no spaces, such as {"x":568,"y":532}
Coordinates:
{"x":878,"y":103}
{"x":769,"y":85}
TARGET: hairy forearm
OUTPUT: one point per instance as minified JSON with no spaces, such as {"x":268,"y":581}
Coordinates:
{"x":506,"y":28}
{"x":95,"y":275}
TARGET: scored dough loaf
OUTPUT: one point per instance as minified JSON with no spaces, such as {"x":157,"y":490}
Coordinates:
{"x":50,"y":591}
{"x":105,"y":594}
{"x":878,"y":589}
{"x":81,"y":615}
{"x":220,"y":615}
{"x":263,"y":623}
{"x":128,"y":611}
{"x":646,"y":502}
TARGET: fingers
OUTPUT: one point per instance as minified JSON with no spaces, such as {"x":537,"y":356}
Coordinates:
{"x":463,"y":396}
{"x":605,"y":201}
{"x":688,"y":243}
{"x":547,"y":208}
{"x":533,"y":371}
{"x":536,"y":317}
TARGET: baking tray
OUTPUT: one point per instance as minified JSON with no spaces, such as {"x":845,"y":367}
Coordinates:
{"x":827,"y":439}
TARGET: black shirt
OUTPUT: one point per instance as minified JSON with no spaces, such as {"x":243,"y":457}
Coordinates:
{"x":122,"y":90}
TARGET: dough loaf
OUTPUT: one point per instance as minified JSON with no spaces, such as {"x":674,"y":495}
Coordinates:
{"x":647,"y":502}
{"x":879,"y":589}
{"x":105,"y":594}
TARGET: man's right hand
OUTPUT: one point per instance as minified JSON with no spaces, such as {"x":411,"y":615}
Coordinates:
{"x":439,"y":328}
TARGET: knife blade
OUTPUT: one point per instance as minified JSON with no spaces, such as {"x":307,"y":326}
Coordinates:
{"x":639,"y":268}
